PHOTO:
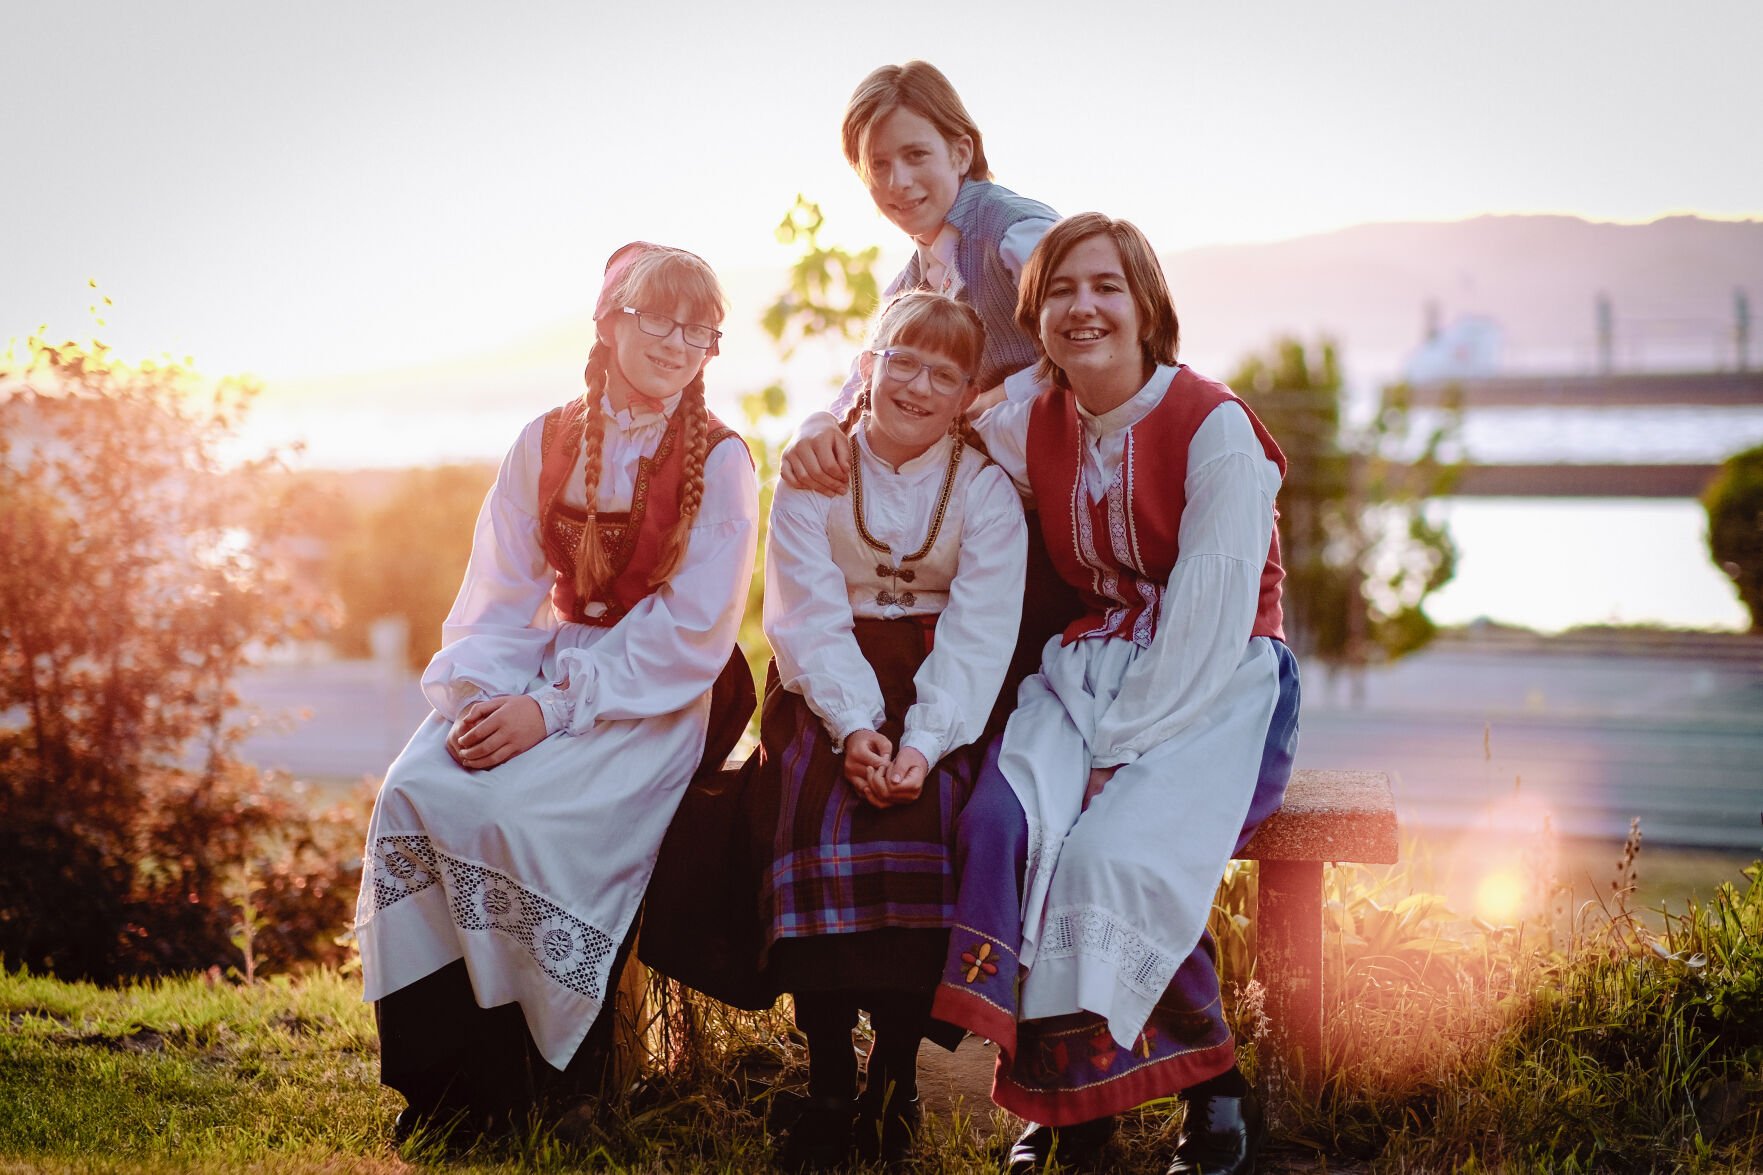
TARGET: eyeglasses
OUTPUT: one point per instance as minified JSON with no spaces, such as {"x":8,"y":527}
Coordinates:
{"x":905,"y":366}
{"x":660,"y":326}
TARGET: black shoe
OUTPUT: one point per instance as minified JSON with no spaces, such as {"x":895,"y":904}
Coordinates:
{"x":820,"y":1139}
{"x":885,"y":1134}
{"x":1216,"y":1138}
{"x":580,"y":1125}
{"x":1077,"y":1147}
{"x":452,"y":1128}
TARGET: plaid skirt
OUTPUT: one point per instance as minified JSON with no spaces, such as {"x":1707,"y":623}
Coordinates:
{"x":854,"y":896}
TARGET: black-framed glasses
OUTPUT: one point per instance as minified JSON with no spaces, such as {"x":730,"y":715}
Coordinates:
{"x":905,"y":366}
{"x":660,"y":326}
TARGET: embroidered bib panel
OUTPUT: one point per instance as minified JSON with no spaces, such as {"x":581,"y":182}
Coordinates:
{"x":632,"y":539}
{"x":1118,"y":551}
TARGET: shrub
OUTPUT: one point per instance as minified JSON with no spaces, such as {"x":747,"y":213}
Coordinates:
{"x":138,"y":569}
{"x":1735,"y":527}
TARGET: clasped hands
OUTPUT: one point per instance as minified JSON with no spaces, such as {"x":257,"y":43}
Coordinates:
{"x":877,"y":776}
{"x":494,"y":730}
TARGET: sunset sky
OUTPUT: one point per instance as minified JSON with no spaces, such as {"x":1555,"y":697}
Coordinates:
{"x":319,"y":192}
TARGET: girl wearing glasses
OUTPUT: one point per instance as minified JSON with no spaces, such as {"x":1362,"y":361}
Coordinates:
{"x":513,"y":837}
{"x":912,"y":142}
{"x":1157,"y":735}
{"x":891,"y":611}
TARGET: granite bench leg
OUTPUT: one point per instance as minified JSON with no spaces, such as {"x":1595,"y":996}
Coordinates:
{"x":1289,"y":926}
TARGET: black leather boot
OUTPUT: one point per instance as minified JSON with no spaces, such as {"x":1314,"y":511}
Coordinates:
{"x":885,"y":1133}
{"x":820,"y":1139}
{"x":1217,"y":1138}
{"x":1078,"y":1146}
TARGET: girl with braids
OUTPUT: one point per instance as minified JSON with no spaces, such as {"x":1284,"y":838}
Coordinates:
{"x":891,"y":611}
{"x":512,"y":840}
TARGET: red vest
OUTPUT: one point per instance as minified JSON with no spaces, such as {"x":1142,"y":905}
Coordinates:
{"x":1118,"y":552}
{"x":632,"y":540}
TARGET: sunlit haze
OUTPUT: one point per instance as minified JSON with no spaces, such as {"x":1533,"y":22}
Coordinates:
{"x":390,"y":209}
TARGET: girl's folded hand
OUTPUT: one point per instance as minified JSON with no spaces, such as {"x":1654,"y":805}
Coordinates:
{"x":905,"y":780}
{"x":867,"y":758}
{"x":489,"y":733}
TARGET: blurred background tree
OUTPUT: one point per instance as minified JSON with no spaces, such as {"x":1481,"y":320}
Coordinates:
{"x":1361,"y":553}
{"x":139,"y":571}
{"x":402,"y":553}
{"x":1735,"y":527}
{"x":829,"y":297}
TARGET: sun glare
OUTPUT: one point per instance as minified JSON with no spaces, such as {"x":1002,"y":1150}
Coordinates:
{"x":1500,"y":897}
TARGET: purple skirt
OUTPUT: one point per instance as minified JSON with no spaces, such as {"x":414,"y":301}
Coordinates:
{"x":1062,"y":1070}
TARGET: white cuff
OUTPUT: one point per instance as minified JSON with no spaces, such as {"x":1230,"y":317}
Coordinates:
{"x":555,"y":706}
{"x":926,"y":744}
{"x":842,"y":726}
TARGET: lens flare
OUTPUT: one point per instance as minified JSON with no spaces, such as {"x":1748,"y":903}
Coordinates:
{"x":1500,"y":897}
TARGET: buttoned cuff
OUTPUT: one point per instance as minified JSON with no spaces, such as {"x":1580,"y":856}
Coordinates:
{"x":555,"y":705}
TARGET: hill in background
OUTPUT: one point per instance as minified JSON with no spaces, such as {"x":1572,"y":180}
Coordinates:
{"x":1670,"y":283}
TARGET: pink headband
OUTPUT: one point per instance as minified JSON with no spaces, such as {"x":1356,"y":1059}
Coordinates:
{"x":617,"y":266}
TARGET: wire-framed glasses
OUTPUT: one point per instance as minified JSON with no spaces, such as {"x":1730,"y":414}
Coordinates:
{"x":659,"y":325}
{"x":905,"y":366}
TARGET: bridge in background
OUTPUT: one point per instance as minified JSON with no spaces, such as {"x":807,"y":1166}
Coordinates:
{"x":1697,"y":389}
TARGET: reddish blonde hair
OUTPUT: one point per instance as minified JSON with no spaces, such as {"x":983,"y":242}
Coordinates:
{"x":658,"y":277}
{"x":1160,"y":330}
{"x":917,"y":86}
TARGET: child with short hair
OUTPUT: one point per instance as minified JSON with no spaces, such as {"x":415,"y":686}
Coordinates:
{"x":912,"y":142}
{"x":891,"y":611}
{"x":1157,"y":735}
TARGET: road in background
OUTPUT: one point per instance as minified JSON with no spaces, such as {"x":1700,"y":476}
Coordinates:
{"x":1590,"y":731}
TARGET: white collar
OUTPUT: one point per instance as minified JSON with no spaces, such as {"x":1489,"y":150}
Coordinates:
{"x":941,"y":248}
{"x":1131,"y":411}
{"x":935,"y":457}
{"x":637,"y":413}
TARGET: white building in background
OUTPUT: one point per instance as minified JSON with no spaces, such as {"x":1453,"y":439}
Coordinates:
{"x":1468,"y":348}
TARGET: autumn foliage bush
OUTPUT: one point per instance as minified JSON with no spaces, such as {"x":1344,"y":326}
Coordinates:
{"x":139,"y":571}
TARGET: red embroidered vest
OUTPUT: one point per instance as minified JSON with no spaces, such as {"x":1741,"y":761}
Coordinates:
{"x":632,"y":540}
{"x":1118,"y":552}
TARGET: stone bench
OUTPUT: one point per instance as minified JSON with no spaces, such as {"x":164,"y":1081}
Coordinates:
{"x":1345,"y":816}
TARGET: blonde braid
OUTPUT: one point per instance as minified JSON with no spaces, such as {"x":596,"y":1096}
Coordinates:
{"x":697,"y":446}
{"x":591,"y":566}
{"x":855,"y":412}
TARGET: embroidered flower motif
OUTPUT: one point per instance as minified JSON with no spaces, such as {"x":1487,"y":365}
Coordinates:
{"x":498,"y":904}
{"x":1046,"y":1063}
{"x":558,"y":945}
{"x":1146,"y":1042}
{"x":980,"y":959}
{"x":1103,"y":1051}
{"x":404,"y":869}
{"x":401,"y":866}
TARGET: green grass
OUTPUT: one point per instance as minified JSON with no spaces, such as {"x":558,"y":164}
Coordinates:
{"x":1586,"y":1043}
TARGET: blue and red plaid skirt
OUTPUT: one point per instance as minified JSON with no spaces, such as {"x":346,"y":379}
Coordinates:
{"x":854,"y":896}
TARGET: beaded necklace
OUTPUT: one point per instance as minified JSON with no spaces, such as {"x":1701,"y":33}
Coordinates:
{"x":905,"y":599}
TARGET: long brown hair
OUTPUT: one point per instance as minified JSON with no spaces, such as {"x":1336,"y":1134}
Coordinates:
{"x":658,"y":276}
